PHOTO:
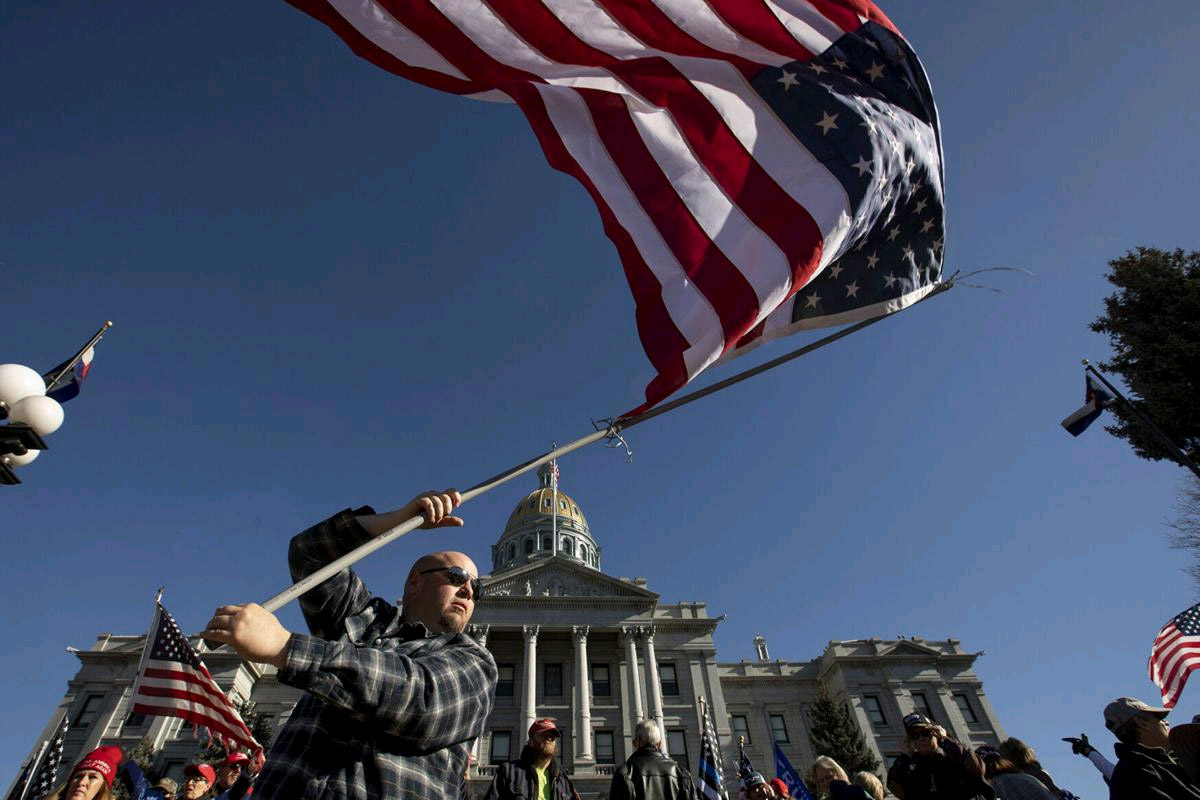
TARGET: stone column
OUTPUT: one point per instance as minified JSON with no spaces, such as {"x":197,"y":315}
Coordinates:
{"x":989,"y":715}
{"x":583,"y":708}
{"x":954,"y":718}
{"x":865,"y":725}
{"x":653,"y":685}
{"x":529,"y":691}
{"x":631,"y":672}
{"x":106,"y":717}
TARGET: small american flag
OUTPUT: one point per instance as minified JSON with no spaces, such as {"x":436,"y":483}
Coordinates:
{"x":712,"y":780}
{"x":1175,"y":654}
{"x":172,"y":681}
{"x":44,"y":782}
{"x":761,"y":167}
{"x":554,"y":473}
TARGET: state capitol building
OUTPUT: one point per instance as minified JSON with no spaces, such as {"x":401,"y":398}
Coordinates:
{"x":597,"y":653}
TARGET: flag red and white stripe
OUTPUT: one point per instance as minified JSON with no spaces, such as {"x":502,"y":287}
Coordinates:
{"x":172,"y":681}
{"x":1175,"y":654}
{"x":720,"y":213}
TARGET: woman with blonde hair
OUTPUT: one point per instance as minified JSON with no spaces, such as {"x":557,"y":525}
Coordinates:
{"x":92,"y":777}
{"x":870,"y":784}
{"x":833,"y":782}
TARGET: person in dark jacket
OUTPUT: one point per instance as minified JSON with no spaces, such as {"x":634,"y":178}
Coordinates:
{"x":1145,"y":769}
{"x":649,"y":774}
{"x":535,"y":775}
{"x":936,"y":767}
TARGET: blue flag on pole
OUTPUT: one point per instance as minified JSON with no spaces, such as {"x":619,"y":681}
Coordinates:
{"x":784,"y":769}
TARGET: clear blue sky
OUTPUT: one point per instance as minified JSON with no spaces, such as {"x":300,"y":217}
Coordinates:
{"x":331,"y":287}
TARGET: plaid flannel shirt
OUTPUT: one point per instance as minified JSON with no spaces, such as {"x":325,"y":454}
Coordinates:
{"x":389,"y":710}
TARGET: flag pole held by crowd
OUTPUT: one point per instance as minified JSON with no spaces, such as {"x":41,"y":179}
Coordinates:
{"x":172,"y":681}
{"x":711,"y":776}
{"x":611,"y":431}
{"x":40,"y":775}
{"x":1175,"y":654}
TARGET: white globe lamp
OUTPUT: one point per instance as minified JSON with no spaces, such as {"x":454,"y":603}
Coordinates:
{"x":43,"y":414}
{"x":18,"y":382}
{"x":13,"y":461}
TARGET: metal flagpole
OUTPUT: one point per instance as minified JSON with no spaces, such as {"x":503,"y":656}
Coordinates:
{"x":1163,"y":439}
{"x":32,"y":770}
{"x":554,"y":502}
{"x":612,"y":431}
{"x":75,"y":359}
{"x":408,"y":526}
{"x":707,"y":727}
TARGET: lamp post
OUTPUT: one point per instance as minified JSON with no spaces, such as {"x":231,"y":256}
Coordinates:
{"x":29,"y":411}
{"x":30,"y":415}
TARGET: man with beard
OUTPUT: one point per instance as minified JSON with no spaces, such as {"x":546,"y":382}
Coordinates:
{"x":393,"y":698}
{"x":936,"y":767}
{"x":535,"y":774}
{"x":233,"y":777}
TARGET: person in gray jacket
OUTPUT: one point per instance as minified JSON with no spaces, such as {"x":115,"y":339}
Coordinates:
{"x":649,"y":774}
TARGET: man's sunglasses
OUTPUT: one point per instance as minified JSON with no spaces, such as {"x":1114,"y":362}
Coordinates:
{"x":921,"y":734}
{"x":457,"y":576}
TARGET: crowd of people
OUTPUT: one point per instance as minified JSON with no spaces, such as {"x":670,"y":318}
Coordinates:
{"x":394,"y":698}
{"x":95,"y":774}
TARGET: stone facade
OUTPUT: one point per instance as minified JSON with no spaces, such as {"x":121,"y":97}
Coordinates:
{"x":597,"y":653}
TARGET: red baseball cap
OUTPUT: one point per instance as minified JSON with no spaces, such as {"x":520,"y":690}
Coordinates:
{"x":781,"y":787}
{"x":236,"y":757}
{"x":543,"y":726}
{"x":203,"y":770}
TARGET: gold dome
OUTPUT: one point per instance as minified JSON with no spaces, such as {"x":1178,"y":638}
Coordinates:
{"x":540,"y":502}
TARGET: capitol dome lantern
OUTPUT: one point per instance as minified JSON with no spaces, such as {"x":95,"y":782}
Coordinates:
{"x":547,"y":523}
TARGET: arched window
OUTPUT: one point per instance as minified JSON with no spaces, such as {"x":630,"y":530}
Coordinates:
{"x":566,"y":546}
{"x":546,"y":502}
{"x":546,"y":543}
{"x":533,"y":504}
{"x":562,"y":504}
{"x":583,"y":553}
{"x":528,"y":545}
{"x":512,"y":551}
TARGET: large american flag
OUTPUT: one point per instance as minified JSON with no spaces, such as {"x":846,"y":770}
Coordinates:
{"x":172,"y":681}
{"x":1175,"y":654}
{"x":762,"y":166}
